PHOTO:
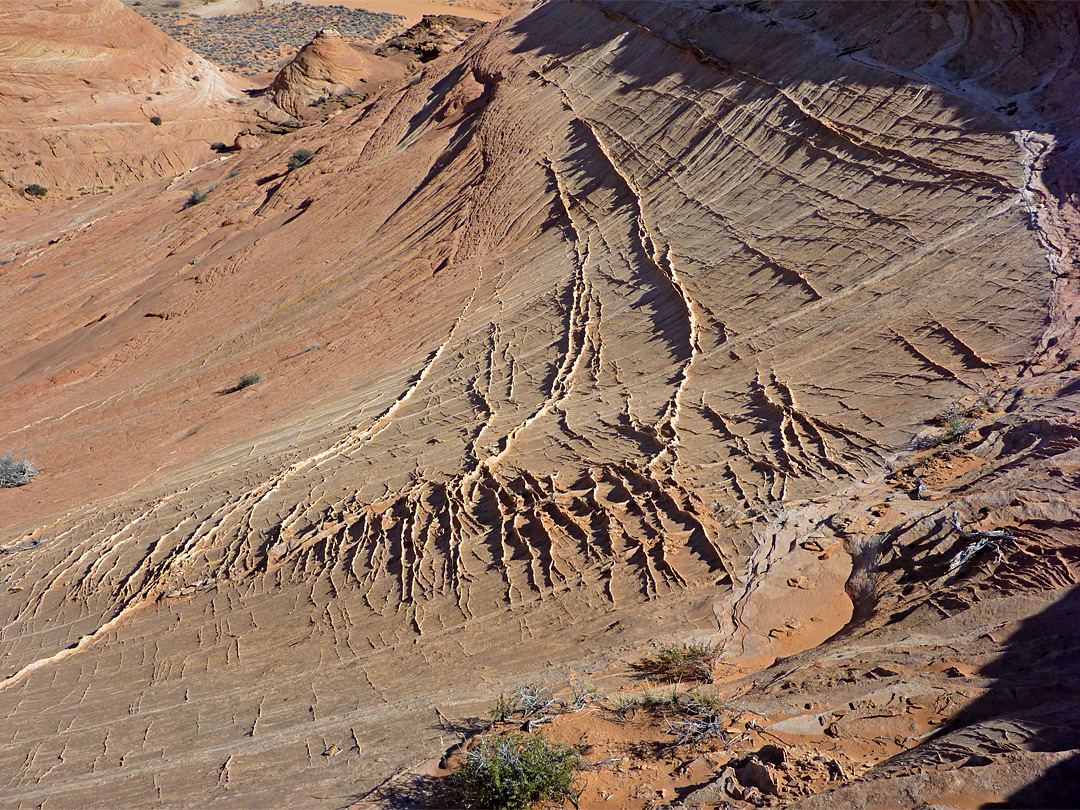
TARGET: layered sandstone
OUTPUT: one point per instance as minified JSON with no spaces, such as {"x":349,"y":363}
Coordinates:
{"x":329,"y":66}
{"x":574,"y":343}
{"x":82,"y":83}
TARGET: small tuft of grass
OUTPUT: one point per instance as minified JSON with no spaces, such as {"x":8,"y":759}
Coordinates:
{"x":16,"y":473}
{"x":694,"y":662}
{"x":248,"y":380}
{"x":583,"y":695}
{"x":301,"y":157}
{"x":623,"y":704}
{"x":517,"y":771}
{"x":35,"y":190}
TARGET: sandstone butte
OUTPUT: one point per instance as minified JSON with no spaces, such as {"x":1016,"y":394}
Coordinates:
{"x":329,"y":66}
{"x":621,"y":324}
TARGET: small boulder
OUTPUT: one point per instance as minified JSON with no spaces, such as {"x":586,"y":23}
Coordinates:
{"x":751,"y":773}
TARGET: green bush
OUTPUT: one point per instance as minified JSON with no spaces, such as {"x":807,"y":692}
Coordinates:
{"x":248,"y":380}
{"x":195,"y":198}
{"x":517,"y":771}
{"x":155,"y":120}
{"x":34,"y":190}
{"x":301,"y":157}
{"x":16,"y":473}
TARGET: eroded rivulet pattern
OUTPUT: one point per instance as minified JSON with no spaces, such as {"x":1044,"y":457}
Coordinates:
{"x":642,"y":277}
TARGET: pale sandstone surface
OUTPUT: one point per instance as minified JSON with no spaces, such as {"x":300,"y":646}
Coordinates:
{"x":80,"y":81}
{"x":616,"y":307}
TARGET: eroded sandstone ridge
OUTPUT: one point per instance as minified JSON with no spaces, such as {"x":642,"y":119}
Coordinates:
{"x":584,"y":338}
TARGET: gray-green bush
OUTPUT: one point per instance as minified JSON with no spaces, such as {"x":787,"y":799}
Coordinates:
{"x":695,"y":662}
{"x":301,"y":157}
{"x":16,"y":473}
{"x":516,"y":771}
{"x":196,"y":197}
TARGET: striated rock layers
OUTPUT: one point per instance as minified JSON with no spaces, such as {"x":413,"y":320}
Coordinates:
{"x":616,"y":320}
{"x":329,"y":66}
{"x":81,"y":82}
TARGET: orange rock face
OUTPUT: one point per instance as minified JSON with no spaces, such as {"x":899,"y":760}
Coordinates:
{"x":620,"y":323}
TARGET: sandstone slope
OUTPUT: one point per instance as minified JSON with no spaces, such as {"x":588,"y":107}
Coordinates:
{"x":571,"y":344}
{"x":80,"y":81}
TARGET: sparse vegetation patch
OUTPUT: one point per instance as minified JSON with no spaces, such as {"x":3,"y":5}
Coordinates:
{"x":301,"y":157}
{"x":35,"y":190}
{"x":196,"y":197}
{"x":955,"y":423}
{"x":516,"y":771}
{"x":248,"y":380}
{"x":16,"y":473}
{"x":693,"y":662}
{"x":258,"y":40}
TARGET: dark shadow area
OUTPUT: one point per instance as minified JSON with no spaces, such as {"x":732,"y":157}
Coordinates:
{"x":1035,"y":698}
{"x":412,"y":792}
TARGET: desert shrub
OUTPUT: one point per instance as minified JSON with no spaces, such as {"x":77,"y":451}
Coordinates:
{"x":533,"y":699}
{"x":34,"y":190}
{"x":16,"y":473}
{"x":695,"y":662}
{"x":515,"y":771}
{"x":301,"y":157}
{"x":248,"y":380}
{"x":503,"y":709}
{"x":196,"y":197}
{"x":155,"y":120}
{"x":218,"y":146}
{"x":955,"y":424}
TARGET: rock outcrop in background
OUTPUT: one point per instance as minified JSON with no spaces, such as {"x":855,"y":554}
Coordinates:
{"x":329,"y":66}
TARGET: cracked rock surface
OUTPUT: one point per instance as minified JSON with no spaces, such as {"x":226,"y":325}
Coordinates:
{"x":608,"y":328}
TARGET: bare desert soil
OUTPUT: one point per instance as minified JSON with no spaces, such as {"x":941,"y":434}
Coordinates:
{"x":620,"y":324}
